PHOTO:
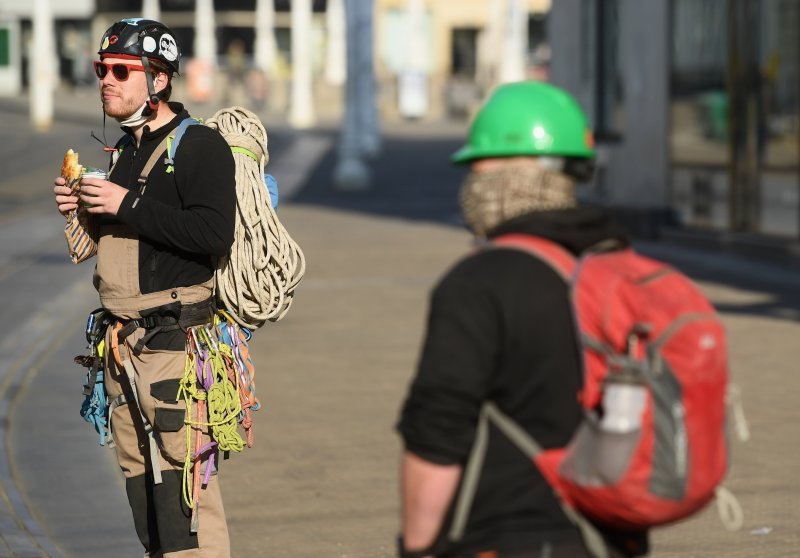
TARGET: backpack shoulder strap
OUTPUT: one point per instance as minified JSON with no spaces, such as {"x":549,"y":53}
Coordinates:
{"x":151,"y":162}
{"x":562,"y":262}
{"x":169,"y":144}
{"x":174,"y":140}
{"x":490,"y":413}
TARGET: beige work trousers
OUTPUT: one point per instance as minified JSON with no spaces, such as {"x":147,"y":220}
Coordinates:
{"x":161,"y":517}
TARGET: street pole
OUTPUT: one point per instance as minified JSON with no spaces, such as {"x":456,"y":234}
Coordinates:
{"x":351,"y":173}
{"x":417,"y":43}
{"x":336,"y":60}
{"x":301,"y":113}
{"x":43,"y":72}
{"x":205,"y":43}
{"x":264,"y":56}
{"x":151,"y":10}
{"x":412,"y":84}
{"x":370,"y":131}
{"x":491,"y":44}
{"x":515,"y":43}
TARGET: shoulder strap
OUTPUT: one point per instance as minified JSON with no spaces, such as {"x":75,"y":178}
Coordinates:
{"x":168,"y":144}
{"x":490,"y":413}
{"x":174,"y":140}
{"x":549,"y":252}
{"x":151,"y":162}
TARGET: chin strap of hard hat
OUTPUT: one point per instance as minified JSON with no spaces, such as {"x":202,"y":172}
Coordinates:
{"x":152,"y":97}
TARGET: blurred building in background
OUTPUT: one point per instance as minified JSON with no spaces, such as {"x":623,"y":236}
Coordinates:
{"x":452,"y":52}
{"x":695,"y":103}
{"x":696,"y":107}
{"x":433,"y":58}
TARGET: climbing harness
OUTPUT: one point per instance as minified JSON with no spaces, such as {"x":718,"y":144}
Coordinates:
{"x":218,"y":385}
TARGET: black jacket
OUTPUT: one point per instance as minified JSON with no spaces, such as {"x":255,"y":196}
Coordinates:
{"x":500,"y":329}
{"x":184,"y":218}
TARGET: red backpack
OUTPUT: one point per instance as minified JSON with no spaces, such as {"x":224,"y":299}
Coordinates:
{"x":652,"y":446}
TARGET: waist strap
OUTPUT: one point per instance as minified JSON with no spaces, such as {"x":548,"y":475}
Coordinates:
{"x":167,"y":318}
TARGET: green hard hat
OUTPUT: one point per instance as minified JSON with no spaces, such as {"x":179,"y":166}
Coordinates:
{"x":528,"y":118}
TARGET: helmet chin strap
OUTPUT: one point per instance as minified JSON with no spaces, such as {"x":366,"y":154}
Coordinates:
{"x":152,"y":97}
{"x":139,"y":117}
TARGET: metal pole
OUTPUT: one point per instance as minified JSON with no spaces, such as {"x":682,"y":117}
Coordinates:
{"x":265,"y":48}
{"x":351,"y":174}
{"x":151,"y":10}
{"x":43,"y":72}
{"x":301,"y":114}
{"x":515,"y":43}
{"x":205,"y":42}
{"x":491,"y":45}
{"x":412,"y":83}
{"x":370,"y":132}
{"x":336,"y":60}
{"x":417,"y":55}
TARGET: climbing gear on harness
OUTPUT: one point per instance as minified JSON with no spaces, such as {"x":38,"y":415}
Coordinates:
{"x":256,"y":281}
{"x":219,"y":380}
{"x":218,"y":385}
{"x":94,"y":409}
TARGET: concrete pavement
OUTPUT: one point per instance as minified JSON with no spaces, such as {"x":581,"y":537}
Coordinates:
{"x":322,"y":478}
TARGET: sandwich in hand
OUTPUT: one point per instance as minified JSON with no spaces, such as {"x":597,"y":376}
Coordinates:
{"x":71,"y":171}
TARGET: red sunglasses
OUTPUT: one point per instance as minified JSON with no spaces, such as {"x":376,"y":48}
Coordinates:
{"x":119,"y":70}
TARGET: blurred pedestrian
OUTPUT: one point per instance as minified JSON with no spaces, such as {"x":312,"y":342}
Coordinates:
{"x":157,"y":229}
{"x":500,"y":329}
{"x":236,"y":67}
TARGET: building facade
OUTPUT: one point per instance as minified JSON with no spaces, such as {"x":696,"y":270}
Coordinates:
{"x":696,"y":106}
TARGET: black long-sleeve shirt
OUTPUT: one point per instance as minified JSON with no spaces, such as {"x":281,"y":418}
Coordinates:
{"x":183,"y":218}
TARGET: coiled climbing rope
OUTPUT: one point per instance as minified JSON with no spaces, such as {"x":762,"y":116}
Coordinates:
{"x":257,"y":280}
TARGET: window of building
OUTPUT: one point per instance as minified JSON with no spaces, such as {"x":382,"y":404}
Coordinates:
{"x":5,"y":46}
{"x":464,"y":52}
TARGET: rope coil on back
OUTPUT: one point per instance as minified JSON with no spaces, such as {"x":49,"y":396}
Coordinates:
{"x":257,"y":280}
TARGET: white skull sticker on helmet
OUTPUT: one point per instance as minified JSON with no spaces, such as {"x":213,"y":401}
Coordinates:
{"x":149,"y":44}
{"x":167,"y":47}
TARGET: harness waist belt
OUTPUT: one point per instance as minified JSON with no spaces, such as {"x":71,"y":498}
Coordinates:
{"x":168,"y":317}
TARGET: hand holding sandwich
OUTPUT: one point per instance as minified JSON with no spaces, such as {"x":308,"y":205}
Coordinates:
{"x":98,"y":195}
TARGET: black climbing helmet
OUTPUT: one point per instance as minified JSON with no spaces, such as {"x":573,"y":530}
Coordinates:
{"x":142,"y":39}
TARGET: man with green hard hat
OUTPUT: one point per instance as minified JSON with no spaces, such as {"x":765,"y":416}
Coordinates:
{"x":500,"y":329}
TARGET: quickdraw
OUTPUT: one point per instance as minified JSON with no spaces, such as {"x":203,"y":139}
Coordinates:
{"x":94,"y":408}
